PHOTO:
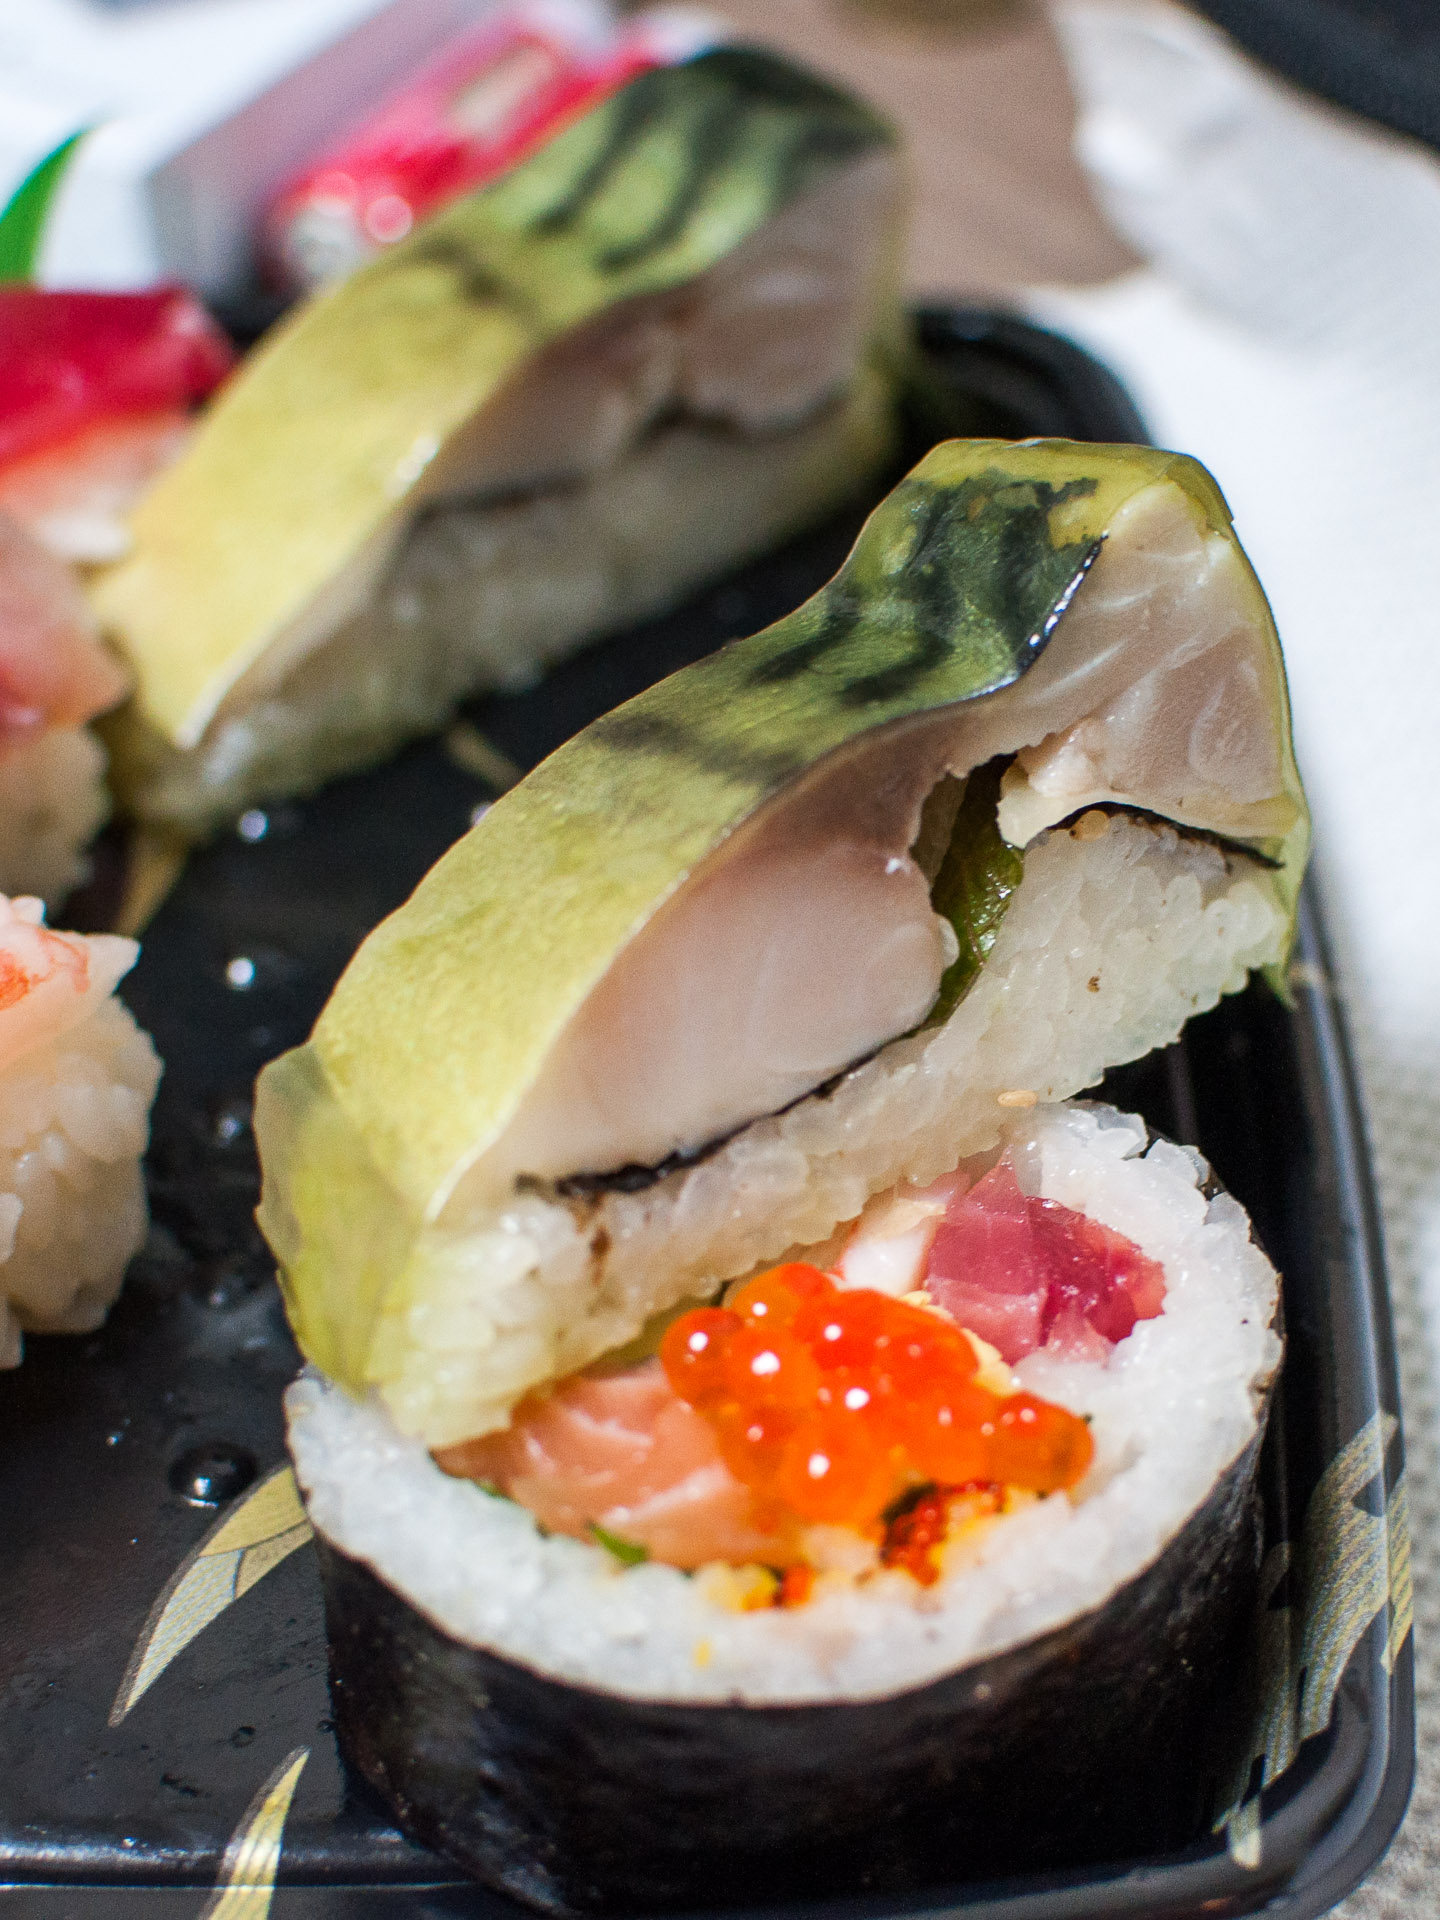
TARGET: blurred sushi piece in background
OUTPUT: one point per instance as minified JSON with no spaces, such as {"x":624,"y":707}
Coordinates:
{"x":96,"y":396}
{"x":664,"y":340}
{"x":54,"y":677}
{"x":482,"y":104}
{"x":76,"y":1080}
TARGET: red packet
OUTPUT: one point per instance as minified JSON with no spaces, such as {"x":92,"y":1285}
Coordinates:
{"x":481,"y":105}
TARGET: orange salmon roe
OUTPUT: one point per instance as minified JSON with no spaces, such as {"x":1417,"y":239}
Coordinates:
{"x":795,"y":1586}
{"x":829,"y":1404}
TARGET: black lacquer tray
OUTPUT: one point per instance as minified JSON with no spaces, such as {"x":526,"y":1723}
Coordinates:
{"x":165,"y":1743}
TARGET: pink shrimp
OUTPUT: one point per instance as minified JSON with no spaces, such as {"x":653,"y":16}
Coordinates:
{"x":50,"y":981}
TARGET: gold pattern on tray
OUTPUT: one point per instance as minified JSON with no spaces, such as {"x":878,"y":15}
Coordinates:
{"x":258,"y":1532}
{"x":1402,"y":1587}
{"x":1349,"y":1565}
{"x":246,"y":1883}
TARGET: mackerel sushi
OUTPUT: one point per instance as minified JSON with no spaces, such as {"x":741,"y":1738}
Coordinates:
{"x":753,"y":1422}
{"x":660,"y":343}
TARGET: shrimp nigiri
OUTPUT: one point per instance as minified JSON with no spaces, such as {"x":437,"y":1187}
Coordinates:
{"x":76,"y":1080}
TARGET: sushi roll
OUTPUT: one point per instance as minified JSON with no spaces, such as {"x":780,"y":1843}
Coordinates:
{"x":606,"y":1665}
{"x":77,"y":1077}
{"x":753,"y":1421}
{"x":54,"y":677}
{"x":660,"y":342}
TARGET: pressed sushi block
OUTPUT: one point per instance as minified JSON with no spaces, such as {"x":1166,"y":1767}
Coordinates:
{"x":753,"y":1421}
{"x":95,"y":398}
{"x":76,"y":1080}
{"x":654,"y":346}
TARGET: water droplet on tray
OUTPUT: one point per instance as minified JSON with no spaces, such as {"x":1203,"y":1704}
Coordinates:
{"x":231,"y":1123}
{"x":209,"y":1475}
{"x":223,"y":1283}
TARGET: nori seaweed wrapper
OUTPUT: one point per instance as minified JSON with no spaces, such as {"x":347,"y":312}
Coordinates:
{"x":1083,"y":1745}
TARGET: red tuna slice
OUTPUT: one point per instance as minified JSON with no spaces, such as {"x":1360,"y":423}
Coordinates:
{"x":623,"y":1452}
{"x":53,"y":670}
{"x":988,"y":1268}
{"x":1099,"y":1277}
{"x":70,"y":359}
{"x":1024,"y":1273}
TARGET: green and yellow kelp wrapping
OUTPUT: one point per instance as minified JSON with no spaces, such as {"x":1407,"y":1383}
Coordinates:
{"x":952,"y":608}
{"x":288,"y":507}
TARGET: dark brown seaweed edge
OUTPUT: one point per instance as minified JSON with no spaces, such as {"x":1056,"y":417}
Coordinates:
{"x":1083,"y":1745}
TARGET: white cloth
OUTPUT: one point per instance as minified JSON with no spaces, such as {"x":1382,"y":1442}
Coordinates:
{"x":1287,"y":332}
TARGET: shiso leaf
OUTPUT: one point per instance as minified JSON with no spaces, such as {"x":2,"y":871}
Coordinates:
{"x":977,"y":877}
{"x":627,"y":1552}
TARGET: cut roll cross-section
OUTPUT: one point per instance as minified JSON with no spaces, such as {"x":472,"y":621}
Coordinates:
{"x":786,"y":1697}
{"x":999,"y":808}
{"x":658,"y":344}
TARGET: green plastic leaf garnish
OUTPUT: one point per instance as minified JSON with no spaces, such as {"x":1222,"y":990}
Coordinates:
{"x":22,"y":222}
{"x":978,"y":876}
{"x":625,"y":1551}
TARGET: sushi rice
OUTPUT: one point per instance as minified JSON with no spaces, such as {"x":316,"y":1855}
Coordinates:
{"x":1173,"y":1405}
{"x":77,"y":1077}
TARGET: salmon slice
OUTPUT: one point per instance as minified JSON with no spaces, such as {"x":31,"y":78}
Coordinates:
{"x":624,"y":1453}
{"x":1025,"y":1273}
